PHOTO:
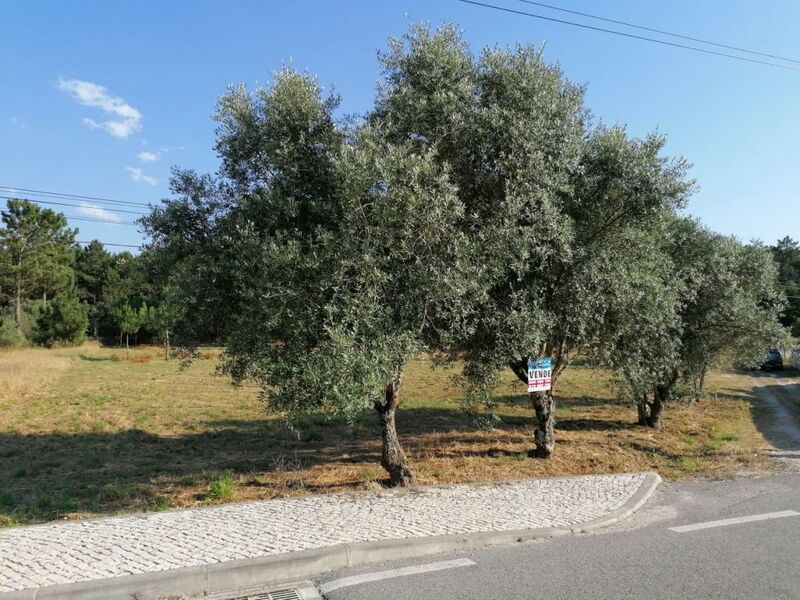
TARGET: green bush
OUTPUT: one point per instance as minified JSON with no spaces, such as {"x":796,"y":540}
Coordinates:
{"x":221,"y":486}
{"x":10,"y":334}
{"x":62,"y":321}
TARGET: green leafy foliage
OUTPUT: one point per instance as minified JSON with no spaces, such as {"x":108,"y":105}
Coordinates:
{"x":324,"y":257}
{"x":64,"y":320}
{"x":554,"y":203}
{"x":221,"y":486}
{"x":478,"y":213}
{"x":11,"y":336}
{"x":130,"y":321}
{"x":37,"y":251}
{"x":787,"y":254}
{"x":714,"y":302}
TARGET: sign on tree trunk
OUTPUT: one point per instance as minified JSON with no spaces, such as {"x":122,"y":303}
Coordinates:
{"x":540,"y":373}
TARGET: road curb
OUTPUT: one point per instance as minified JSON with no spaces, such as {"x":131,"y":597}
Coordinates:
{"x":269,"y":570}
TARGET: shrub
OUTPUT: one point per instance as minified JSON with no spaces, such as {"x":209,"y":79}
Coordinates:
{"x":62,"y":321}
{"x":187,"y":481}
{"x":10,"y":335}
{"x":221,"y":487}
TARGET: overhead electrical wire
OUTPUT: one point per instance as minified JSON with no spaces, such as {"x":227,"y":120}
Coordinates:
{"x":73,"y":197}
{"x":627,"y":35}
{"x":91,"y":219}
{"x":61,"y":195}
{"x":110,"y":244}
{"x":120,"y":210}
{"x":661,"y":31}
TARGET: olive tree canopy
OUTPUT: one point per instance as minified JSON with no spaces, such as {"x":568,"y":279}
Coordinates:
{"x":715,"y":301}
{"x":323,"y":256}
{"x":551,"y":201}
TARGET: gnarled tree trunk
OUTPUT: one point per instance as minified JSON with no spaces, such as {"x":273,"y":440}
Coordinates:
{"x":650,"y":412}
{"x":544,"y":405}
{"x":699,"y":383}
{"x":643,"y":408}
{"x":660,"y":397}
{"x":393,"y":459}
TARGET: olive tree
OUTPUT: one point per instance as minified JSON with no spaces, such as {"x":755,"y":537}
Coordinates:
{"x":717,"y":303}
{"x":646,"y":340}
{"x":787,"y":255}
{"x":732,"y":311}
{"x":324,"y":257}
{"x":549,"y":201}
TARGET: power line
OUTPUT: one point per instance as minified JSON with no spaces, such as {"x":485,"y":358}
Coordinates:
{"x":132,"y":212}
{"x":628,"y":35}
{"x":93,"y":220}
{"x":110,"y":244}
{"x":661,"y":31}
{"x":46,"y":194}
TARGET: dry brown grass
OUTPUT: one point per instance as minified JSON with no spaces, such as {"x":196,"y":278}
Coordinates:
{"x":24,"y":373}
{"x":82,"y":434}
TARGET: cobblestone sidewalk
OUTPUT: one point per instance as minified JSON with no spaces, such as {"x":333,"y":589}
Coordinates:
{"x":68,"y":552}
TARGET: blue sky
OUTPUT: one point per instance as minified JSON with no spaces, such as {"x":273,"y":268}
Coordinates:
{"x":101,"y":98}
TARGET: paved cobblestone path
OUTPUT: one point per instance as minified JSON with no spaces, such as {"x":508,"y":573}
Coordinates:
{"x":68,"y":552}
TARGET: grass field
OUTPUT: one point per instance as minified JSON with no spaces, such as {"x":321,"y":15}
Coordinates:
{"x":96,"y":430}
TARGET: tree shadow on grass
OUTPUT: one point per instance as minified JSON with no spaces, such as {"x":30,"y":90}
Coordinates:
{"x":90,"y":358}
{"x":651,"y":449}
{"x":561,"y":401}
{"x":594,"y":425}
{"x":45,"y":475}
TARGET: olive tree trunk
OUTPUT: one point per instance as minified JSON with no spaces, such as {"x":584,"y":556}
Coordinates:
{"x":643,"y":408}
{"x":544,"y":405}
{"x":650,"y":413}
{"x":393,"y":459}
{"x":660,"y":397}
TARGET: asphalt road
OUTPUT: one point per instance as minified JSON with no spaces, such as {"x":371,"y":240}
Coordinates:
{"x":638,"y":558}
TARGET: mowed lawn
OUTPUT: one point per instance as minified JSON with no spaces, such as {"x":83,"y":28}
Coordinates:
{"x":94,"y":430}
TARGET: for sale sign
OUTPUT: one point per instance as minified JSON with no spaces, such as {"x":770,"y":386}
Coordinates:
{"x":540,"y":373}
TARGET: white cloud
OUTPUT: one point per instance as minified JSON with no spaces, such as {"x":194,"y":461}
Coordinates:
{"x":90,"y":210}
{"x":137,"y":175}
{"x":18,"y":122}
{"x":125,"y":118}
{"x":147,"y":156}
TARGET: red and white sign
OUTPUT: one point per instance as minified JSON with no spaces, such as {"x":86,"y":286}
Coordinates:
{"x":540,"y":374}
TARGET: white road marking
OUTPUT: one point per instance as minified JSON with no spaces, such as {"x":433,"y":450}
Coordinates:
{"x":336,"y":584}
{"x":735,"y":521}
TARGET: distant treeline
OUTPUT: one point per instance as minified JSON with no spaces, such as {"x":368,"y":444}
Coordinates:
{"x":53,"y":291}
